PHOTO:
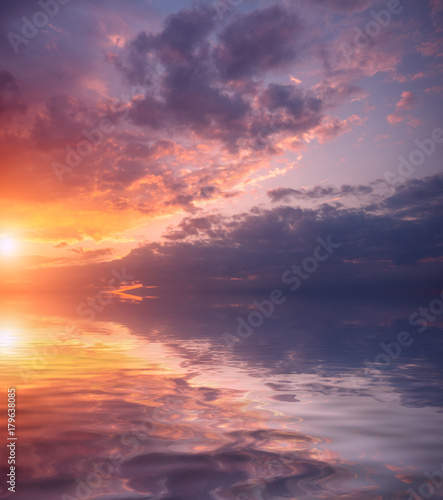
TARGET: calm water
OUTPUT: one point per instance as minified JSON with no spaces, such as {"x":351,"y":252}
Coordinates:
{"x":147,"y":402}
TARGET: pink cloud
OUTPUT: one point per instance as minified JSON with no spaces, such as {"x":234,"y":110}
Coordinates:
{"x":395,"y":118}
{"x":407,"y":101}
{"x":334,"y":127}
{"x":437,"y":89}
{"x":430,"y":48}
{"x":437,"y":14}
{"x":415,"y":122}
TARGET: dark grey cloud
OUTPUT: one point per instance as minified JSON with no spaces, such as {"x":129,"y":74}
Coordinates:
{"x":210,"y":226}
{"x":390,"y":241}
{"x":418,"y":198}
{"x":343,"y":5}
{"x":184,"y":38}
{"x":260,"y":41}
{"x":183,"y":34}
{"x":393,"y":247}
{"x":206,"y":84}
{"x":317,"y":192}
{"x":289,"y":98}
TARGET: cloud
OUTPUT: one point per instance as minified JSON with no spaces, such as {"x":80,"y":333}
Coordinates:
{"x":317,"y":192}
{"x":436,"y":90}
{"x":407,"y":101}
{"x":197,"y":89}
{"x":197,"y":108}
{"x":62,"y":122}
{"x":334,"y":127}
{"x":395,"y":234}
{"x":91,"y":255}
{"x":430,"y":48}
{"x":183,"y":38}
{"x":418,"y":198}
{"x":209,"y":227}
{"x":395,"y":240}
{"x":343,"y":5}
{"x":258,"y":42}
{"x":11,"y":96}
{"x":437,"y":14}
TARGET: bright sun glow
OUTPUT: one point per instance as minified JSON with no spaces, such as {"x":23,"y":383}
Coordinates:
{"x":7,"y":246}
{"x":7,"y":341}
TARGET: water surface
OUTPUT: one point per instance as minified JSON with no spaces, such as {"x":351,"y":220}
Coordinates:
{"x":147,"y":402}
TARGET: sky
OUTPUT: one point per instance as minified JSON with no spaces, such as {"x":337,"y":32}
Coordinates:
{"x":204,"y":147}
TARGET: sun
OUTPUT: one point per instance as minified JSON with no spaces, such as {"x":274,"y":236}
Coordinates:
{"x":7,"y":341}
{"x":7,"y":246}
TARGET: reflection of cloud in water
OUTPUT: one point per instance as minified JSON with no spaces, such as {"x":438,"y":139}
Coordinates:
{"x":159,"y":409}
{"x":150,"y":434}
